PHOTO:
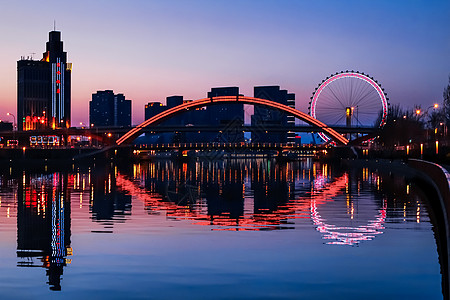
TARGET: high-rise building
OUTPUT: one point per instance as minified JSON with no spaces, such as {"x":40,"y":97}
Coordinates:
{"x":230,"y":116}
{"x":153,"y":108}
{"x":266,"y":119}
{"x":108,"y":109}
{"x":44,"y":88}
{"x":173,"y":101}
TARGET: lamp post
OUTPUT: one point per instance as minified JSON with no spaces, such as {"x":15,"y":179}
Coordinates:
{"x":423,"y":113}
{"x":14,"y":118}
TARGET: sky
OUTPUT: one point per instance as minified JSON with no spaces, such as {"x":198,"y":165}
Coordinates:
{"x":149,"y":50}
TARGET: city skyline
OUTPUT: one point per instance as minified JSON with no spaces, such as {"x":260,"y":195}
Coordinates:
{"x":149,"y":51}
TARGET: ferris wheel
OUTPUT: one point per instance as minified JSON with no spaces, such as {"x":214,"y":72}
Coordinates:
{"x":349,"y":99}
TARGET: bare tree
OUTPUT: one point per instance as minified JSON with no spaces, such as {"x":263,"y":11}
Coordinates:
{"x":447,"y":102}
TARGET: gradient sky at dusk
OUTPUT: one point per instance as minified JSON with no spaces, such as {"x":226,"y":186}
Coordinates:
{"x":148,"y":50}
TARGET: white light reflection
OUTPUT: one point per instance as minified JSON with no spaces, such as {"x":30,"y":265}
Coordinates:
{"x":348,"y":235}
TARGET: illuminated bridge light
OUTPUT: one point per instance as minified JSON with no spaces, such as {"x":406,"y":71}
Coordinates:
{"x":133,"y":133}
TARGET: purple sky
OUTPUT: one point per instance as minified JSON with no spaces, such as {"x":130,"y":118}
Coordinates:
{"x":148,"y":50}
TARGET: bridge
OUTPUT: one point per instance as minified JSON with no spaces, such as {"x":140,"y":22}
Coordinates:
{"x":128,"y":137}
{"x":215,"y":149}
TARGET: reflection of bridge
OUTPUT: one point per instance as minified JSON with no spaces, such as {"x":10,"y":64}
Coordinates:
{"x":322,"y":191}
{"x":298,"y":208}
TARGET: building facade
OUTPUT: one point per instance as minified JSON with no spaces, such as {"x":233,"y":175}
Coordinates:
{"x":228,"y":116}
{"x":44,"y":88}
{"x":264,"y":119}
{"x":109,"y":110}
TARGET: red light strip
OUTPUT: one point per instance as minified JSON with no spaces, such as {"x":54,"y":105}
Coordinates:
{"x":133,"y":133}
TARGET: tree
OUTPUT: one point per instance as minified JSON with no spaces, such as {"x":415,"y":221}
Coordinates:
{"x":402,"y":127}
{"x":447,"y":102}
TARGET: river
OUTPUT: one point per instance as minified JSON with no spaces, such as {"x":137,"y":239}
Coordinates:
{"x":232,"y":229}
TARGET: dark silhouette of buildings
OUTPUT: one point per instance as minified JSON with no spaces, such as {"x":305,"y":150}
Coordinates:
{"x":195,"y":117}
{"x":108,"y":109}
{"x":265,"y":118}
{"x":173,"y":101}
{"x":153,"y":108}
{"x":231,"y":116}
{"x":6,"y":126}
{"x":44,"y":88}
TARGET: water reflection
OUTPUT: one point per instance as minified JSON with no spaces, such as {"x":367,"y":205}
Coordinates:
{"x":108,"y":203}
{"x":260,"y":195}
{"x":43,"y":224}
{"x":337,"y":206}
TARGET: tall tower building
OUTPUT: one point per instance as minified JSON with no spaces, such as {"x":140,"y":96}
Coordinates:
{"x":44,"y":88}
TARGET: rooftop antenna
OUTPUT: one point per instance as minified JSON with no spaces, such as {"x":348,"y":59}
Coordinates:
{"x":54,"y":25}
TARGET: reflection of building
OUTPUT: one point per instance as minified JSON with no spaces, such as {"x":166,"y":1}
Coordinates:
{"x":225,"y":199}
{"x":43,"y":88}
{"x":43,"y":224}
{"x":107,"y":201}
{"x":264,"y":118}
{"x":107,"y":109}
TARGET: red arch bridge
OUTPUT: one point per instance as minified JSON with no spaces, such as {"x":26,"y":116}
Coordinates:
{"x":128,"y":137}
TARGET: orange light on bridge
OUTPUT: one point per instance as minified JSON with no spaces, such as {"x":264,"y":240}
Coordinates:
{"x":133,"y":133}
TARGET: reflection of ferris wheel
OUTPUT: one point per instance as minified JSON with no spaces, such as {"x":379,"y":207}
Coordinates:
{"x":349,"y":99}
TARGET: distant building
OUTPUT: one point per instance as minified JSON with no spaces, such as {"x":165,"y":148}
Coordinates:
{"x":179,"y":120}
{"x":6,"y":126}
{"x":229,"y":116}
{"x":44,"y":88}
{"x":264,"y":119}
{"x":196,"y":117}
{"x":108,"y":109}
{"x":173,"y":101}
{"x":153,"y":108}
{"x":292,"y":137}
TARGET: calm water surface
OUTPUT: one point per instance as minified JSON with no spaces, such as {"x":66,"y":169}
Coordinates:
{"x":215,"y":230}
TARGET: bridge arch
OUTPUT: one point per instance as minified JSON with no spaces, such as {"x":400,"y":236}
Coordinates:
{"x":135,"y":132}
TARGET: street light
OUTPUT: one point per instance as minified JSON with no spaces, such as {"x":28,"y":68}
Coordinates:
{"x":14,"y":118}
